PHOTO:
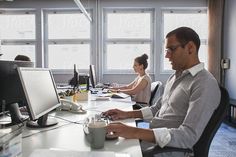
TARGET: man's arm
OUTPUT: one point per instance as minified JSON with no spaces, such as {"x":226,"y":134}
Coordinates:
{"x":116,"y":114}
{"x":135,"y":114}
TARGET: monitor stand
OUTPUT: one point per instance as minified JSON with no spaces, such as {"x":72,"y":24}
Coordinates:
{"x":42,"y":122}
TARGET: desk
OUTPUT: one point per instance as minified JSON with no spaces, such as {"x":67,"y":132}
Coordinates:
{"x":70,"y":136}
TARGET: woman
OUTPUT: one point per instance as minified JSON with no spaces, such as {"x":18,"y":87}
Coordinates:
{"x":140,"y":88}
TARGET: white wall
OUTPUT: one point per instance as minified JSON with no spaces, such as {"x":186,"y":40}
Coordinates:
{"x":230,"y":46}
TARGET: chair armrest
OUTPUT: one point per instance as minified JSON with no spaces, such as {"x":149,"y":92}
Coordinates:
{"x":151,"y":151}
{"x":139,"y":105}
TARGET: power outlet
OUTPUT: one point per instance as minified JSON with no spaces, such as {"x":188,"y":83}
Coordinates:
{"x":225,"y":63}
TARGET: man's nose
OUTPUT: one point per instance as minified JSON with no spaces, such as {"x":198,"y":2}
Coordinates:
{"x":167,"y":55}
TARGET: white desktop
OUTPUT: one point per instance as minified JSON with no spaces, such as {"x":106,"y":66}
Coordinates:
{"x":68,"y":135}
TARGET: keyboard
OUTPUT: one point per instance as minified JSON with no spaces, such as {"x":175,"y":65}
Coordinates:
{"x":119,"y":95}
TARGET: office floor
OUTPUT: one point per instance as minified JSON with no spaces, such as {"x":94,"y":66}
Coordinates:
{"x":224,"y":142}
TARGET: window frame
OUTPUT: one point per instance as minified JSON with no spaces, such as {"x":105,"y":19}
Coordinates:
{"x":106,"y":41}
{"x":48,"y":41}
{"x":21,"y":42}
{"x":176,"y":10}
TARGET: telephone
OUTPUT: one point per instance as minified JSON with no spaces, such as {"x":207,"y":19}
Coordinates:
{"x":70,"y":106}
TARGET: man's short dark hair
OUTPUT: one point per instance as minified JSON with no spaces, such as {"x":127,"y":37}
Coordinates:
{"x":22,"y":58}
{"x":184,"y":35}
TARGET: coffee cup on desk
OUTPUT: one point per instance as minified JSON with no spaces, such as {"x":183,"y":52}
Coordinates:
{"x":96,"y":133}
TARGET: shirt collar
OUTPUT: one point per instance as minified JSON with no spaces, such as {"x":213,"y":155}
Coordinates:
{"x":195,"y":69}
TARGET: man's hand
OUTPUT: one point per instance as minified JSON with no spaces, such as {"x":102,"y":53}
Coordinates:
{"x":116,"y":114}
{"x":121,"y":130}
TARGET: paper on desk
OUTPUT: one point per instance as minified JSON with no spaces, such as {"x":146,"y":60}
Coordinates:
{"x":69,"y":153}
{"x":102,"y":98}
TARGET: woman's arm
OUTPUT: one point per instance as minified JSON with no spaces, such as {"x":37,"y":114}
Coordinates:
{"x":137,"y":88}
{"x":124,"y":87}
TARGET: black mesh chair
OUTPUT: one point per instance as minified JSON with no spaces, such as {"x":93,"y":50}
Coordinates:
{"x":201,"y":148}
{"x":154,"y":88}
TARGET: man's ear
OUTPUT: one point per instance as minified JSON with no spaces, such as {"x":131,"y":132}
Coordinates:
{"x":191,"y":47}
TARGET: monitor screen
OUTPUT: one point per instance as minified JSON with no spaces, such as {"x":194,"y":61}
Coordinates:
{"x":41,"y":94}
{"x":11,"y":91}
{"x":92,"y":75}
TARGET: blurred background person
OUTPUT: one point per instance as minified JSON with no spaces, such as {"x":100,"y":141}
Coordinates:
{"x":140,"y":88}
{"x":22,"y":58}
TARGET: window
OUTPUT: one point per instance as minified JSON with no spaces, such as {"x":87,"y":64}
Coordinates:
{"x":68,"y":40}
{"x":17,"y":33}
{"x":128,"y":34}
{"x":195,"y":19}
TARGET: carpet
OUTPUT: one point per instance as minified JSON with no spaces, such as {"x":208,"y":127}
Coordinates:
{"x":224,"y":142}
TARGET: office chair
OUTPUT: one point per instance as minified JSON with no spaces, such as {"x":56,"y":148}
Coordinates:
{"x":201,"y":148}
{"x":156,"y":91}
{"x":155,"y":86}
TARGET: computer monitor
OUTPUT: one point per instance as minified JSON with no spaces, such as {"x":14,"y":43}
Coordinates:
{"x":92,"y":75}
{"x":41,"y":95}
{"x":11,"y":92}
{"x":75,"y":80}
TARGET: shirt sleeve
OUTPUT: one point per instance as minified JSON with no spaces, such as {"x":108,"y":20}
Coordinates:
{"x":147,"y":113}
{"x":162,"y":136}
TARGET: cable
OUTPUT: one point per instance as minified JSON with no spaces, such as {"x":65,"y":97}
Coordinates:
{"x":45,"y":130}
{"x":66,"y":120}
{"x":41,"y":131}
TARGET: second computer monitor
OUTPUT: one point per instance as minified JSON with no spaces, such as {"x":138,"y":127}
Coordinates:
{"x":74,"y":82}
{"x":11,"y":92}
{"x":92,"y":75}
{"x":10,"y":89}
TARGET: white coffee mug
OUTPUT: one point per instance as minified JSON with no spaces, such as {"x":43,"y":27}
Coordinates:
{"x":96,"y":134}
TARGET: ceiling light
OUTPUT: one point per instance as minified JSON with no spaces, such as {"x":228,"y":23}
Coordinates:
{"x":80,"y":5}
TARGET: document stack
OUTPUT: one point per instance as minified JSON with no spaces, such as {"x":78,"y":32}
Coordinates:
{"x":11,"y":141}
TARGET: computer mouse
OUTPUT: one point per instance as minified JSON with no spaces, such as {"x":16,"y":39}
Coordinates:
{"x":111,"y":136}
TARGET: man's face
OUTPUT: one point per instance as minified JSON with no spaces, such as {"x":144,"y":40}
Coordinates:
{"x":177,"y":53}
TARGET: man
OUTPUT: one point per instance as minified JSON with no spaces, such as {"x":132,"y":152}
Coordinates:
{"x":190,"y":97}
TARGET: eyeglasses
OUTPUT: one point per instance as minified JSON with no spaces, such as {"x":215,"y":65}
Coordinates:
{"x":172,"y":49}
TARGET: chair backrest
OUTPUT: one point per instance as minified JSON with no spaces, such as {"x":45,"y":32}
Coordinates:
{"x":155,"y":86}
{"x":201,"y":148}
